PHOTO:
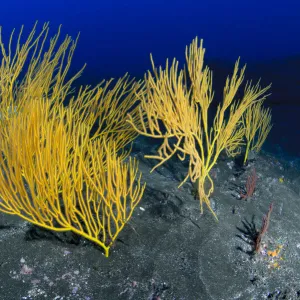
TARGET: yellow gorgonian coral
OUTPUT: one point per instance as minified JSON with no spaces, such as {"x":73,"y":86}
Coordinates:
{"x":61,"y":166}
{"x":257,"y":125}
{"x":175,"y":107}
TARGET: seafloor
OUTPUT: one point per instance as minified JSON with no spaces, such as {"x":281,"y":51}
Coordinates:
{"x":168,"y":250}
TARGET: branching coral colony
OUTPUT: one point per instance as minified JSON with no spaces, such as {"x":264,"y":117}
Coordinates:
{"x":175,"y":107}
{"x":58,"y":173}
{"x":55,"y":171}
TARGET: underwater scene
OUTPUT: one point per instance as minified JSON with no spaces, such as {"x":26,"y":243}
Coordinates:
{"x":149,"y":150}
